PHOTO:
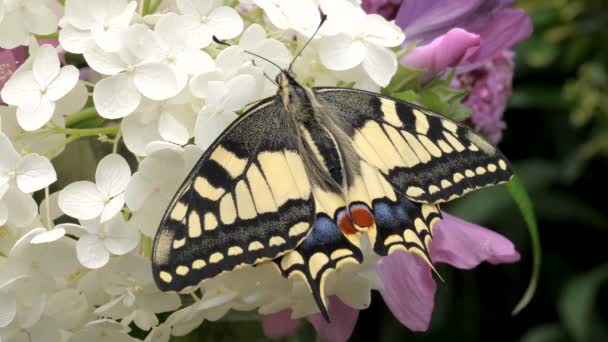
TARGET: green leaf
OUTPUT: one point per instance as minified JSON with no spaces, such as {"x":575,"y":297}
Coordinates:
{"x":522,"y":199}
{"x":405,"y":79}
{"x":577,"y":300}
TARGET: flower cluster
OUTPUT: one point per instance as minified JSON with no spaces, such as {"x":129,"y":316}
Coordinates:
{"x":75,"y":254}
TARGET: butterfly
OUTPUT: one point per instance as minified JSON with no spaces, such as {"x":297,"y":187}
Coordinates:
{"x":300,"y":177}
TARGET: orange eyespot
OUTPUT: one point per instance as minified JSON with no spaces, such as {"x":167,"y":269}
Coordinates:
{"x":361,"y":216}
{"x":345,"y":224}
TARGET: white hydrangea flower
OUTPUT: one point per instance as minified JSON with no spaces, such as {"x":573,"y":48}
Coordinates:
{"x":229,"y":63}
{"x":99,"y":22}
{"x":255,"y":40}
{"x":302,"y":15}
{"x":71,"y":103}
{"x":20,"y":176}
{"x":86,"y":200}
{"x":137,"y":69}
{"x":35,"y":92}
{"x":54,"y":259}
{"x":205,"y":20}
{"x":103,"y":330}
{"x":170,"y":120}
{"x":223,"y":100}
{"x":20,"y":18}
{"x":69,"y":309}
{"x":161,"y":333}
{"x":100,"y":240}
{"x":363,"y":39}
{"x":135,"y":298}
{"x":21,"y":315}
{"x":153,"y":185}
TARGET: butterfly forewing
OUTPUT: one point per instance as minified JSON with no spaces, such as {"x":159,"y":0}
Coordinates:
{"x":247,"y":200}
{"x":425,"y":156}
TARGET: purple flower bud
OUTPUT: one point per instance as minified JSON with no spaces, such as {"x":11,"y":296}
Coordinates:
{"x":490,"y":88}
{"x":499,"y":26}
{"x":386,"y":8}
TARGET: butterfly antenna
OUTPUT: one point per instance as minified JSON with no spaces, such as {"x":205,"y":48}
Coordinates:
{"x":215,"y":39}
{"x":323,"y":18}
{"x":267,"y":77}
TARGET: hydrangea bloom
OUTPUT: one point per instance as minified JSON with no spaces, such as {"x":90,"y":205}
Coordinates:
{"x":75,"y":266}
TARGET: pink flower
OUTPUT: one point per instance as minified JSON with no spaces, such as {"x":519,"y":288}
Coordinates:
{"x":10,"y":60}
{"x":386,"y":8}
{"x":454,"y":48}
{"x":498,"y":26}
{"x":409,"y":288}
{"x":490,"y":88}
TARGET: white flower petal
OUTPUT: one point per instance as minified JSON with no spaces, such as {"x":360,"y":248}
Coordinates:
{"x":49,"y":236}
{"x":64,"y":82}
{"x":156,"y":81}
{"x":14,"y":32}
{"x":209,"y":127}
{"x":341,"y":52}
{"x":122,"y":238}
{"x":116,"y":96}
{"x":34,"y":172}
{"x":21,"y":88}
{"x":73,"y":101}
{"x":91,"y":252}
{"x":32,"y":116}
{"x":198,"y":8}
{"x":103,"y":62}
{"x":21,"y":207}
{"x":253,"y":35}
{"x":46,"y":64}
{"x":241,"y":90}
{"x":137,"y":134}
{"x":175,"y":128}
{"x":3,"y":213}
{"x":82,"y":200}
{"x":380,"y":64}
{"x":40,"y":20}
{"x":8,"y":309}
{"x":112,"y":175}
{"x":8,"y":160}
{"x":170,"y":28}
{"x":143,"y":44}
{"x":137,"y":192}
{"x":73,"y":39}
{"x":225,"y":22}
{"x":382,"y":32}
{"x":199,"y":83}
{"x":194,"y":61}
{"x":113,"y":207}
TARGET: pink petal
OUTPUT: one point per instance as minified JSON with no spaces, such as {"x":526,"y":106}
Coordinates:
{"x":452,"y":49}
{"x":10,"y":60}
{"x":343,"y":319}
{"x":465,"y":245}
{"x":409,"y":288}
{"x":279,"y":324}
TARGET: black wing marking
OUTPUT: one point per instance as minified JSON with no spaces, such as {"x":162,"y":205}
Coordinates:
{"x":322,"y":252}
{"x":427,"y":157}
{"x":246,"y":200}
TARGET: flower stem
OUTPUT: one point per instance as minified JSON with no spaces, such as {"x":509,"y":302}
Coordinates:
{"x":87,"y":113}
{"x":54,"y":35}
{"x":49,"y":222}
{"x":116,"y":140}
{"x":84,"y":132}
{"x":145,"y":7}
{"x":155,"y":5}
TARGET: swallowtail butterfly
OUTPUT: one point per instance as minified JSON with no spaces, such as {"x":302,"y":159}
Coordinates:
{"x":298,"y":178}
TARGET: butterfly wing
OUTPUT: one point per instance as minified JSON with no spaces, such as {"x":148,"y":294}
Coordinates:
{"x":425,"y":156}
{"x":246,"y":200}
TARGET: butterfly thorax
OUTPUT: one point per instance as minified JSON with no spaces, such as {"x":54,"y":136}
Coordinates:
{"x":326,"y":150}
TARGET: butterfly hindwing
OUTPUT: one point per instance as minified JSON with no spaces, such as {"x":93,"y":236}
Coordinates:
{"x":324,"y":250}
{"x":425,"y":156}
{"x":247,"y":200}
